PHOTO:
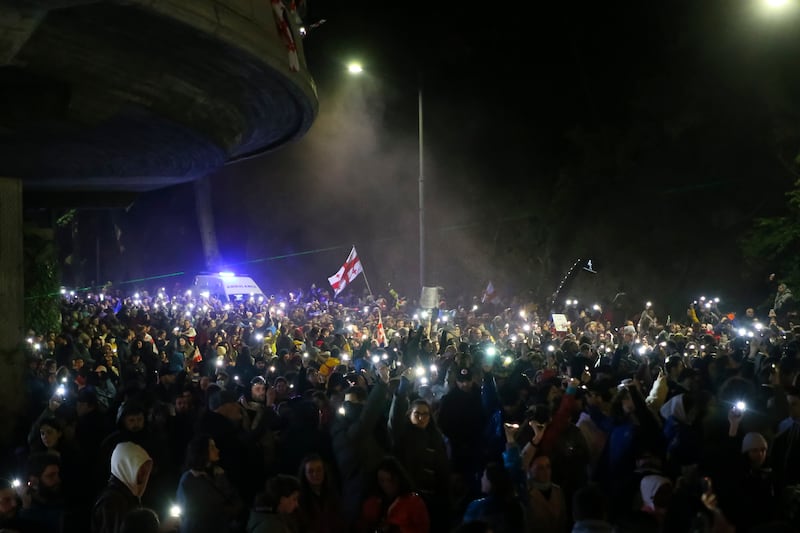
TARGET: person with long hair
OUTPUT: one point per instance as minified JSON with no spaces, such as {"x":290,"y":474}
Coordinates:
{"x":420,"y":448}
{"x":209,"y":502}
{"x":393,"y":507}
{"x":319,"y":498}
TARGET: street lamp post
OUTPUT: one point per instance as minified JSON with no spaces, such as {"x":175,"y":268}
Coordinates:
{"x":355,"y":68}
{"x":421,"y":193}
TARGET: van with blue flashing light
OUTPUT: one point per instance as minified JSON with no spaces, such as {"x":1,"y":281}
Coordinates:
{"x":227,"y":286}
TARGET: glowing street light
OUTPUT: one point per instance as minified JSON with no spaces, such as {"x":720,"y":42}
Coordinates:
{"x":355,"y":68}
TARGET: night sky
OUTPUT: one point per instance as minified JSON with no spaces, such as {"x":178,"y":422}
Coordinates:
{"x":645,"y":135}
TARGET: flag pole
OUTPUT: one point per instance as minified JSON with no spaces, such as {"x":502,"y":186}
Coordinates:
{"x":364,"y":273}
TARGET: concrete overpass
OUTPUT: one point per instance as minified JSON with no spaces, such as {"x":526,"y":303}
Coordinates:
{"x":121,"y":96}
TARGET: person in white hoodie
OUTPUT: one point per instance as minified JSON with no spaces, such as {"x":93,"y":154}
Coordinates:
{"x":130,"y":472}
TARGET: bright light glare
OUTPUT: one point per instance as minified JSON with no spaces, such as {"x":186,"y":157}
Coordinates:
{"x":419,"y":371}
{"x":175,"y":511}
{"x":355,"y":67}
{"x":775,"y":4}
{"x":491,"y":351}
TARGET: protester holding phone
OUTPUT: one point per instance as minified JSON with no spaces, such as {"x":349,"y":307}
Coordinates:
{"x":419,"y":446}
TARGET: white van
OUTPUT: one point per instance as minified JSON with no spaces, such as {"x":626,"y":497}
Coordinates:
{"x":227,"y":286}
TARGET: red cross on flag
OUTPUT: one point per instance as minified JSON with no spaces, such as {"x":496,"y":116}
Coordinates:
{"x":351,"y":268}
{"x":380,"y":333}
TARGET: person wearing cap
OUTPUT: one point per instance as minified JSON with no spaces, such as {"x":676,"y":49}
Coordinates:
{"x":167,"y":387}
{"x":462,"y":420}
{"x":655,"y":492}
{"x":259,"y":403}
{"x":752,"y":499}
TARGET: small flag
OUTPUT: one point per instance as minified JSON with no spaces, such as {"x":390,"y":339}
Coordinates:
{"x":380,"y":333}
{"x":488,"y":294}
{"x":349,"y":271}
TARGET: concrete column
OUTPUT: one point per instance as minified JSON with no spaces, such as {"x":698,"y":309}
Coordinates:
{"x":12,"y":393}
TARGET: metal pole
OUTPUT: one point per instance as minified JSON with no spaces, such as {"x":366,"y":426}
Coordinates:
{"x":421,"y":196}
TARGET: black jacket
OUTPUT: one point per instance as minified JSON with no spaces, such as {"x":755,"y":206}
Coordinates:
{"x":357,"y":450}
{"x":421,"y":451}
{"x":114,"y":503}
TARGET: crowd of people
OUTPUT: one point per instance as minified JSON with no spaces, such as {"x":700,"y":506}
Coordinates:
{"x":306,"y":413}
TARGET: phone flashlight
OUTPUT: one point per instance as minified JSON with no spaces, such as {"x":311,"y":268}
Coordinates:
{"x":419,"y":371}
{"x":491,"y":351}
{"x":741,"y":406}
{"x":16,"y":483}
{"x":376,"y":359}
{"x":61,"y":390}
{"x":175,"y":511}
{"x":551,"y":348}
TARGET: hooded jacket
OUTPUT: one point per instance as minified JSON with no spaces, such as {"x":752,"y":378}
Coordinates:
{"x":123,"y":492}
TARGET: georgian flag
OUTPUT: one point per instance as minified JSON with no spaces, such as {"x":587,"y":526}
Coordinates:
{"x":380,"y":333}
{"x":351,"y":268}
{"x":488,"y":294}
